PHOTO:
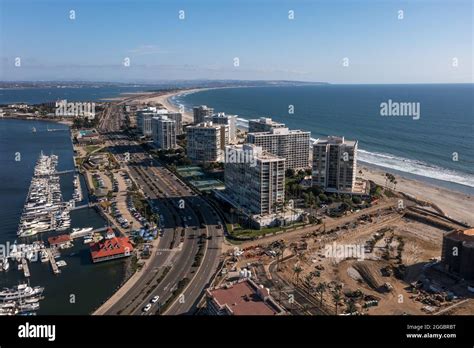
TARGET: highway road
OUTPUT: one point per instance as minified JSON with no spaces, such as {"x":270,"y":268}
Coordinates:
{"x":175,"y":253}
{"x":185,"y":229}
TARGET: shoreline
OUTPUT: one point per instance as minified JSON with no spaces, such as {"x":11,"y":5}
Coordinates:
{"x":454,"y":204}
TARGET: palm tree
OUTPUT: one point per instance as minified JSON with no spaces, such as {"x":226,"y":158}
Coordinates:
{"x":336,"y":298}
{"x":297,"y":271}
{"x":351,"y":308}
{"x":320,"y":289}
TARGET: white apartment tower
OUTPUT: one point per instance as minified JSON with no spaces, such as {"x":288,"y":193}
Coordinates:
{"x":144,"y":117}
{"x":164,"y":132}
{"x":335,"y":164}
{"x":254,"y":179}
{"x":293,"y":145}
{"x":206,"y":142}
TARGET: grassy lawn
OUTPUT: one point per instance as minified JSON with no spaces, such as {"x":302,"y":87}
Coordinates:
{"x":90,"y":148}
{"x":95,"y":182}
{"x":247,"y":233}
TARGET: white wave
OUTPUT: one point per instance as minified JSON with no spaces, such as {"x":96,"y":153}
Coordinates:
{"x":415,"y":167}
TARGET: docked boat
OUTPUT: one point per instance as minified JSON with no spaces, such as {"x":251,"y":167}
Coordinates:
{"x":61,"y":263}
{"x":82,"y":230}
{"x":5,"y":264}
{"x":44,"y":256}
{"x":20,"y":291}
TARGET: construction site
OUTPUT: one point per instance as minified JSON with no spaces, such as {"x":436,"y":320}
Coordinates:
{"x":384,"y":260}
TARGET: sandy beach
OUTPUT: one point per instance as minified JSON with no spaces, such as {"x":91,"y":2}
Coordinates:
{"x":454,"y":204}
{"x":164,"y":99}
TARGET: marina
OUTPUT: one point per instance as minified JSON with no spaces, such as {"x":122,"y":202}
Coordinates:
{"x":44,"y":209}
{"x":91,"y":284}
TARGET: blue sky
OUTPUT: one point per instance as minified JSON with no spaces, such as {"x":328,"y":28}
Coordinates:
{"x":381,"y":48}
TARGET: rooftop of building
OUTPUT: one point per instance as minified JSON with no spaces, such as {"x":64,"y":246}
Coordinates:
{"x":255,"y":151}
{"x":207,"y":124}
{"x":223,"y":115}
{"x":268,"y":121}
{"x":202,"y":107}
{"x":62,"y":238}
{"x":111,"y":247}
{"x":162,"y":118}
{"x":245,"y":298}
{"x":334,"y":140}
{"x":281,"y":131}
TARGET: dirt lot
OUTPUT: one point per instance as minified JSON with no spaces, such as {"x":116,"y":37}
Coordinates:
{"x":374,"y":263}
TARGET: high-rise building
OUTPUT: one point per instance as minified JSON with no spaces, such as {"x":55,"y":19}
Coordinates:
{"x":458,"y":253}
{"x":144,"y":117}
{"x":201,"y":112}
{"x":206,"y":142}
{"x":335,"y":164}
{"x":164,"y":132}
{"x":293,"y":145}
{"x":229,"y":120}
{"x":177,"y":117}
{"x":254,"y":179}
{"x":263,"y":124}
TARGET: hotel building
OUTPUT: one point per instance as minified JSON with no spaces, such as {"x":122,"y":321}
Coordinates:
{"x":206,"y":142}
{"x":254,"y":179}
{"x":335,"y":164}
{"x":293,"y":145}
{"x":201,"y":112}
{"x":164,"y":132}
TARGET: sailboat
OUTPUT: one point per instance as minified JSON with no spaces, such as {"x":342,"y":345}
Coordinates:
{"x":33,"y":130}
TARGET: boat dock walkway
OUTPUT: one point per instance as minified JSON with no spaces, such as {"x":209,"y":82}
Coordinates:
{"x":83,"y":206}
{"x":57,"y":173}
{"x":52,"y":261}
{"x":26,"y":269}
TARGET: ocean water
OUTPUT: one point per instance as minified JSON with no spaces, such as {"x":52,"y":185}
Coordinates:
{"x":89,"y":284}
{"x":423,"y":148}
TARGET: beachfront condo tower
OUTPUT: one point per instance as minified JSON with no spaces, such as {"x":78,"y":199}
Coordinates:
{"x":335,"y":164}
{"x":263,"y":124}
{"x":144,"y":117}
{"x":254,"y":179}
{"x":164,"y":132}
{"x":206,"y":142}
{"x":229,"y":120}
{"x":293,"y":145}
{"x":201,"y":112}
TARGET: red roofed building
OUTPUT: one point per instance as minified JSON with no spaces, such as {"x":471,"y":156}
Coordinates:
{"x":242,"y":298}
{"x":110,"y":249}
{"x":59,"y":240}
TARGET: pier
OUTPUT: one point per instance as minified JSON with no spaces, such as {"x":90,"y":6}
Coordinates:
{"x":83,"y":206}
{"x":26,"y":269}
{"x":52,"y":261}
